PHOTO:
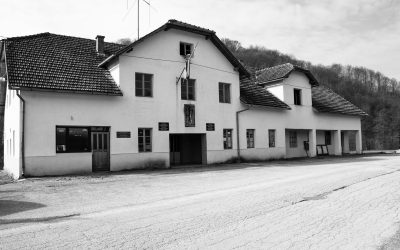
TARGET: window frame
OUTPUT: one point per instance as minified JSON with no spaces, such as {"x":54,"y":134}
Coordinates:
{"x":144,"y":148}
{"x":226,"y":98}
{"x":250,"y":139}
{"x":297,"y":100}
{"x":272,"y":143}
{"x":143,"y":82}
{"x":293,"y":140}
{"x":185,"y":44}
{"x":226,"y":138}
{"x":68,"y":140}
{"x":186,"y":82}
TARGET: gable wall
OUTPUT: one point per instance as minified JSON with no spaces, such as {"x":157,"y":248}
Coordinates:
{"x":129,"y":112}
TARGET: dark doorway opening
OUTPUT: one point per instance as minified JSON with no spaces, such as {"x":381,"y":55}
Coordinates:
{"x":187,"y":149}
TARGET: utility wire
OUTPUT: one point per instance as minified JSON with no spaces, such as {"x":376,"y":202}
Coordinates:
{"x":167,"y":60}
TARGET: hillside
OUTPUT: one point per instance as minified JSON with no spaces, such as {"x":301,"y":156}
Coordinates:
{"x":373,"y":92}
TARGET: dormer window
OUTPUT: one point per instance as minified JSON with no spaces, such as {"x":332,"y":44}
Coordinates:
{"x":297,"y":96}
{"x":185,"y":48}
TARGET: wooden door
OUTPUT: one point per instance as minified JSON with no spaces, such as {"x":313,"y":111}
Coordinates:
{"x":100,"y":151}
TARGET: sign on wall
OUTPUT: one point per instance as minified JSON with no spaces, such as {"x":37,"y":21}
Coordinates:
{"x":123,"y":134}
{"x":210,"y":126}
{"x":163,"y":126}
{"x":188,"y":110}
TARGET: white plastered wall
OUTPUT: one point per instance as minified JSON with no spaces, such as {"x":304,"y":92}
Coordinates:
{"x":12,"y":135}
{"x":159,"y":56}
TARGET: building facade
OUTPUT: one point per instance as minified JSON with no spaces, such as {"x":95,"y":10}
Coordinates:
{"x":176,"y":96}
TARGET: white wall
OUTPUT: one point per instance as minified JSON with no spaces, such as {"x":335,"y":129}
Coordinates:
{"x":128,"y":113}
{"x":12,"y":135}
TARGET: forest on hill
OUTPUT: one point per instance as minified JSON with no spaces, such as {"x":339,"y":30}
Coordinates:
{"x":376,"y":94}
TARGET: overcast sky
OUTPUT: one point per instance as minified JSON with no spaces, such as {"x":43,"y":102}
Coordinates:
{"x":357,"y":32}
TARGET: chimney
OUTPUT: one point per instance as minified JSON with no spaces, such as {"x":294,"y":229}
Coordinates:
{"x":100,"y":44}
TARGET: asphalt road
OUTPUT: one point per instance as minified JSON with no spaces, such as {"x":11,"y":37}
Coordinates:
{"x":332,"y":203}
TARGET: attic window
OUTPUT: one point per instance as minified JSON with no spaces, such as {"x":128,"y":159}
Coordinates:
{"x":297,"y":96}
{"x":185,"y":48}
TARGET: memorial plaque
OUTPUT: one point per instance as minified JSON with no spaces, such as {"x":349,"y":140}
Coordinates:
{"x":123,"y":134}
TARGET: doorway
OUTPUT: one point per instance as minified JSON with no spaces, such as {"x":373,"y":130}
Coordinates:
{"x":187,"y":149}
{"x":100,"y":151}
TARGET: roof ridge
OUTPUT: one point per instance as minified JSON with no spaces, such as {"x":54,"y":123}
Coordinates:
{"x":28,"y":36}
{"x":177,"y":22}
{"x":53,"y":34}
{"x":276,"y":66}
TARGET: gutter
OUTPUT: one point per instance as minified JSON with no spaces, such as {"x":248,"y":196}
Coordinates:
{"x":22,"y":132}
{"x":238,"y":132}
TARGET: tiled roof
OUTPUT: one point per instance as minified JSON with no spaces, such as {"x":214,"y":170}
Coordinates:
{"x":279,"y":72}
{"x":174,"y":24}
{"x":253,"y":94}
{"x":325,"y":100}
{"x":60,"y":63}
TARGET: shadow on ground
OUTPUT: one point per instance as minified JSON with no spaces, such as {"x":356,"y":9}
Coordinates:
{"x":8,"y":207}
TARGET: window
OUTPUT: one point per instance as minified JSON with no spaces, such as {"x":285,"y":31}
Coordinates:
{"x":185,"y":48}
{"x":144,"y":84}
{"x":328,"y":138}
{"x":297,"y":96}
{"x":271,"y":138}
{"x":188,"y":89}
{"x":144,"y":139}
{"x":250,"y":138}
{"x":72,"y":139}
{"x":224,"y":92}
{"x":227,"y":138}
{"x":293,"y":139}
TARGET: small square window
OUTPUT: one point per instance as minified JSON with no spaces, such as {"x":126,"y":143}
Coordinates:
{"x":144,"y":139}
{"x":185,"y":48}
{"x":144,"y":85}
{"x":227,"y":134}
{"x":297,"y":96}
{"x":188,"y":90}
{"x":271,"y":138}
{"x":250,"y":138}
{"x":224,"y":92}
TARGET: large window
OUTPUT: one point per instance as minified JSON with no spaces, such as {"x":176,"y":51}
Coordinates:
{"x":144,"y":85}
{"x":328,"y":138}
{"x":297,"y":96}
{"x":227,"y":138}
{"x":250,"y":138}
{"x":188,"y":89}
{"x":224,"y":92}
{"x":72,"y":139}
{"x":185,"y":48}
{"x":293,"y":139}
{"x":271,"y":138}
{"x":144,"y":139}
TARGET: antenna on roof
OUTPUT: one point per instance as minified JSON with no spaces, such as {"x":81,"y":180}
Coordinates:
{"x":138,"y":13}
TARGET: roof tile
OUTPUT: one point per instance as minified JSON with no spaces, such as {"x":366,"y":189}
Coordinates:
{"x":54,"y":62}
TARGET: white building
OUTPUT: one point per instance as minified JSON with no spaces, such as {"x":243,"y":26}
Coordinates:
{"x":76,"y":105}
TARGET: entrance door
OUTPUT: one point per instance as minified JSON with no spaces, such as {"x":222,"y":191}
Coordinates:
{"x":100,"y":151}
{"x":186,"y":149}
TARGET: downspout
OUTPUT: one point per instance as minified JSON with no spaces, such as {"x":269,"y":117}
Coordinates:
{"x":22,"y":132}
{"x":238,"y":132}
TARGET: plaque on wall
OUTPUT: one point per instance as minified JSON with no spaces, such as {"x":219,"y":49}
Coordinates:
{"x":163,"y":126}
{"x":210,"y":126}
{"x":123,"y":134}
{"x":188,"y":110}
